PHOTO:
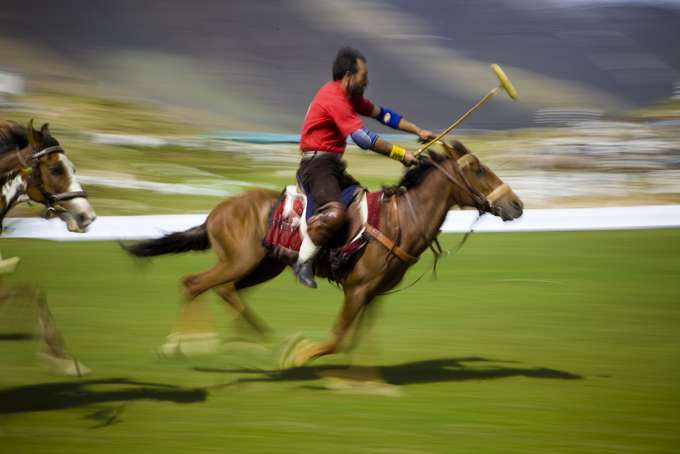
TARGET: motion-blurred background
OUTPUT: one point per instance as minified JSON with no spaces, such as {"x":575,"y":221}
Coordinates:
{"x":134,"y":88}
{"x":541,"y":342}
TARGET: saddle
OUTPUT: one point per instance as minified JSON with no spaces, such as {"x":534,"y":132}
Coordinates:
{"x":288,"y":226}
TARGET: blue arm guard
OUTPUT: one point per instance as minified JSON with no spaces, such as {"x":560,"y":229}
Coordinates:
{"x":389,"y":117}
{"x":364,"y":138}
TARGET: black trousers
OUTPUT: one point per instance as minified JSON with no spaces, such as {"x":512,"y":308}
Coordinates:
{"x":324,"y":177}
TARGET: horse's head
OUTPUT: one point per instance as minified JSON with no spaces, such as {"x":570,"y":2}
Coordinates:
{"x":51,"y":180}
{"x":502,"y":201}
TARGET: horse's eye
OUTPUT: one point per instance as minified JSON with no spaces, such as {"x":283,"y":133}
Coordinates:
{"x":57,"y":171}
{"x":480,"y":171}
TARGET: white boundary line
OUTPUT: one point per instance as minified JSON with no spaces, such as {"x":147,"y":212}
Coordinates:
{"x":567,"y":219}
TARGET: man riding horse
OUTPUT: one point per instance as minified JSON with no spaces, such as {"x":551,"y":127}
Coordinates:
{"x":332,"y":116}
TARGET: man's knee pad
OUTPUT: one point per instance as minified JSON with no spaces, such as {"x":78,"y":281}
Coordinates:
{"x":328,"y":220}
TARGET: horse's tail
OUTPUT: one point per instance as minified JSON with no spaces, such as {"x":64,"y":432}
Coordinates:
{"x":194,"y":239}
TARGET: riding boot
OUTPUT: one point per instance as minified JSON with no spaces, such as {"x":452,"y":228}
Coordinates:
{"x":304,"y":268}
{"x":320,"y":229}
{"x":304,"y":271}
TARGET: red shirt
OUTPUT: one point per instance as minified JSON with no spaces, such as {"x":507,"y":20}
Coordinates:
{"x":331,"y":117}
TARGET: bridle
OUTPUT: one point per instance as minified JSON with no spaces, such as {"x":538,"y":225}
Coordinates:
{"x":35,"y":178}
{"x":483,"y":203}
{"x":495,"y":194}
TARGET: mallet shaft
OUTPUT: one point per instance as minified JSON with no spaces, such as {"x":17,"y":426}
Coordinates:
{"x":479,"y":104}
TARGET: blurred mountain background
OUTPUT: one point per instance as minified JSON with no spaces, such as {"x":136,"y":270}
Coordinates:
{"x":152,"y":98}
{"x":255,"y":65}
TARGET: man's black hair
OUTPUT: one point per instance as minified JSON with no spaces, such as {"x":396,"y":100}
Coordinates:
{"x":346,"y":60}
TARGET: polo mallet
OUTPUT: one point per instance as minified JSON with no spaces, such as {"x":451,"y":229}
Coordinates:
{"x":505,"y":84}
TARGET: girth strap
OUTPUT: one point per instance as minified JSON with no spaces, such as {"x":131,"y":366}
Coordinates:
{"x":390,"y":245}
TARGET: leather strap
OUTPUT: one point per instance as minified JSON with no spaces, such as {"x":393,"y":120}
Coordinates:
{"x":48,"y":150}
{"x":390,"y":245}
{"x":313,"y":154}
{"x":465,"y":160}
{"x":437,"y":251}
{"x":497,"y":193}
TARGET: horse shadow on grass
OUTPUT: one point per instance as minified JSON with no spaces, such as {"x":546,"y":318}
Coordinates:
{"x":64,"y":395}
{"x":417,"y":372}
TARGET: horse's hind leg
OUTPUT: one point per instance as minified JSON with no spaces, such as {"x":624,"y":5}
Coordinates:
{"x":235,"y":229}
{"x":241,"y":266}
{"x":237,"y":268}
{"x":221,"y":273}
{"x":195,"y":331}
{"x":266,"y":270}
{"x":246,"y":315}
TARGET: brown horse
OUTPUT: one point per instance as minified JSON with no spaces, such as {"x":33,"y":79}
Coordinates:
{"x":34,"y":166}
{"x":412,"y":214}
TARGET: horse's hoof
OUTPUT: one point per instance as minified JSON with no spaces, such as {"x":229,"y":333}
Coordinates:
{"x":289,"y":350}
{"x":183,"y":345}
{"x":296,"y":356}
{"x":169,"y":350}
{"x":299,"y":357}
{"x":70,"y":367}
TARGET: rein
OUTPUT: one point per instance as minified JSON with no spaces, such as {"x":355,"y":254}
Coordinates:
{"x":483,"y":205}
{"x":481,"y":202}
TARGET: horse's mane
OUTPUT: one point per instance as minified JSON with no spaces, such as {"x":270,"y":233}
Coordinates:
{"x":416,"y":174}
{"x":12,"y":136}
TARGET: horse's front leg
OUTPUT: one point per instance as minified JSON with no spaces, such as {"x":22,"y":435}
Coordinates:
{"x":356,"y":298}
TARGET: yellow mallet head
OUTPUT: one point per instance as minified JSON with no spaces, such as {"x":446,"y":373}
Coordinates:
{"x":505,"y":81}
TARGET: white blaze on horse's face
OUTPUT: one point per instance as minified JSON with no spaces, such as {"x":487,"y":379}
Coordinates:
{"x":79,"y":213}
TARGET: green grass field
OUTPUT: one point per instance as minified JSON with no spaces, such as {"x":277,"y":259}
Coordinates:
{"x":527,"y":343}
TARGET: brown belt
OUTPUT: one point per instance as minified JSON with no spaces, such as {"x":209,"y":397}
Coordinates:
{"x":313,"y":154}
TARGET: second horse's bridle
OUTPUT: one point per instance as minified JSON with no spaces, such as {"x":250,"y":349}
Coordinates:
{"x":33,"y":169}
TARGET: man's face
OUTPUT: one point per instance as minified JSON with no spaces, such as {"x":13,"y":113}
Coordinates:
{"x":359,"y":81}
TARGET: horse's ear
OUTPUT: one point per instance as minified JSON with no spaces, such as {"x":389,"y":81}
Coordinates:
{"x":45,"y":130}
{"x":448,"y":149}
{"x":32,"y":135}
{"x":459,"y":147}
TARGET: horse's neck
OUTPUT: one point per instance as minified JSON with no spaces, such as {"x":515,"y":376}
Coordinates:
{"x":12,"y":187}
{"x":430,"y":201}
{"x":9,"y":160}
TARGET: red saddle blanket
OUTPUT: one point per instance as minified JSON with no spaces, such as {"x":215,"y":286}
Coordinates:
{"x":283,"y":238}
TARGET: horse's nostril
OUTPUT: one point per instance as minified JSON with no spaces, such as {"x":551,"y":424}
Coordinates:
{"x":84,"y":219}
{"x":516,"y":205}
